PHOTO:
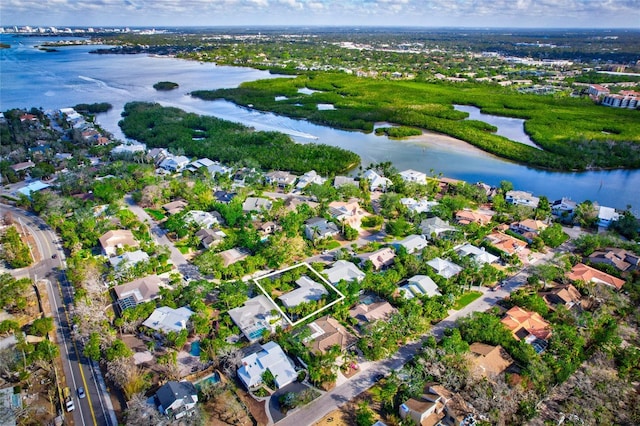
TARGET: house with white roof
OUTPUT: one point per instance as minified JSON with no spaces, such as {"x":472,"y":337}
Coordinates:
{"x":420,"y":285}
{"x":376,"y":182}
{"x":318,"y":228}
{"x":435,"y":226}
{"x":606,"y":216}
{"x":418,"y":206}
{"x":174,"y":163}
{"x":128,"y":260}
{"x":479,"y":255}
{"x":280,"y":178}
{"x":414,"y":176}
{"x":129,"y":149}
{"x":271,"y":357}
{"x":343,"y":270}
{"x":340,"y":181}
{"x":167,"y":319}
{"x":521,"y":198}
{"x":201,"y":218}
{"x":412,"y":243}
{"x":307,"y":291}
{"x":255,"y":316}
{"x":310,"y":178}
{"x":444,"y":268}
{"x":199,"y":163}
{"x":256,"y":204}
{"x":564,"y":206}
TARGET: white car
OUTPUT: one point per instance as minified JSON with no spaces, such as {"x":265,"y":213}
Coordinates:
{"x":70,"y":405}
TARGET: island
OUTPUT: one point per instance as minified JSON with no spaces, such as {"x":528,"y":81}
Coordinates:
{"x":165,"y":85}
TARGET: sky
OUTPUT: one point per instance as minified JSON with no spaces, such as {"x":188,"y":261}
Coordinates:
{"x":422,"y":13}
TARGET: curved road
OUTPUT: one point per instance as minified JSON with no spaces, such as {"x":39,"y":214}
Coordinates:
{"x":96,"y":408}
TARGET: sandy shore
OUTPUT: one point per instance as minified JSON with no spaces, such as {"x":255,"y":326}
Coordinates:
{"x":445,"y":142}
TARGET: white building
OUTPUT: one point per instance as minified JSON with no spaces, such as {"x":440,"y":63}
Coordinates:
{"x":420,"y":285}
{"x":307,"y":291}
{"x":413,"y":176}
{"x":309,"y":178}
{"x":521,"y":198}
{"x":376,"y":182}
{"x":271,"y":357}
{"x":606,"y":216}
{"x":444,"y":268}
{"x":167,"y":319}
{"x":343,"y":270}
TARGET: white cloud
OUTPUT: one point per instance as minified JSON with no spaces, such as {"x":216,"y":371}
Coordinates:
{"x":585,"y":13}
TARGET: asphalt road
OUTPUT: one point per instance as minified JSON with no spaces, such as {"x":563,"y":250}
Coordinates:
{"x":342,"y":394}
{"x":95,"y":408}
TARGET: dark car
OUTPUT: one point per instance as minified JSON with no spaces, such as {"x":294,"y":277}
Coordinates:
{"x":54,"y":256}
{"x":378,"y":377}
{"x":81,"y":393}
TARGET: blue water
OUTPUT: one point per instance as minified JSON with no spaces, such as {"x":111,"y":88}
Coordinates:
{"x":256,"y":334}
{"x":195,"y":348}
{"x":214,"y":378}
{"x":30,"y":77}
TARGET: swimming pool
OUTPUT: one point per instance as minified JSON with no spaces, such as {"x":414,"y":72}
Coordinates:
{"x":195,"y":348}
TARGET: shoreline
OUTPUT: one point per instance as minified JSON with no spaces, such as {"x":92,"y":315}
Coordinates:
{"x":440,"y":140}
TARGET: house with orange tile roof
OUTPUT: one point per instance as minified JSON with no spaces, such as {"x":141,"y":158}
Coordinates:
{"x":348,"y":212}
{"x":526,"y":325}
{"x":582,"y":272}
{"x":465,"y":217}
{"x":506,"y":243}
{"x":379,"y":258}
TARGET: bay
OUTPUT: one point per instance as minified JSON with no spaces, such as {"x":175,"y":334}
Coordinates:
{"x":34,"y":78}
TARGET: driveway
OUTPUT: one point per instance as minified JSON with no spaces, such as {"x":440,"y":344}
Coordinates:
{"x":274,"y":405}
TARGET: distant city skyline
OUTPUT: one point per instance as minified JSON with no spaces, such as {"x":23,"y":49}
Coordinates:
{"x":418,"y":13}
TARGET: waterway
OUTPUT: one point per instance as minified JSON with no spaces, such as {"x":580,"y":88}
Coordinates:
{"x":33,"y":78}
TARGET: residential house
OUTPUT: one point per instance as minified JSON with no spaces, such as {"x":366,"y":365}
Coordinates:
{"x":465,"y":217}
{"x":420,"y":285}
{"x":255,"y":316}
{"x":307,"y":291}
{"x":479,"y":255}
{"x":435,"y":226}
{"x":224,"y":197}
{"x":587,"y":274}
{"x":489,"y":191}
{"x":370,"y":310}
{"x":489,"y":360}
{"x":271,"y":357}
{"x":528,"y":326}
{"x":35,"y":186}
{"x":444,"y":268}
{"x":625,"y":99}
{"x":379,"y":258}
{"x":137,"y":291}
{"x":174,"y":163}
{"x":210,"y":237}
{"x":340,"y":181}
{"x":128,"y":260}
{"x":529,"y":228}
{"x":167,"y":319}
{"x":231,"y":256}
{"x":564,"y":206}
{"x":597,"y":90}
{"x":218,"y":169}
{"x":256,"y":204}
{"x":438,"y":407}
{"x":414,"y":176}
{"x":521,"y":198}
{"x":318,"y":228}
{"x":176,"y":399}
{"x":343,"y":270}
{"x":198,"y":164}
{"x":279,"y":178}
{"x":376,"y":182}
{"x":620,"y":259}
{"x":418,"y":206}
{"x":347,"y":213}
{"x":158,"y":154}
{"x":606,"y":216}
{"x":10,"y":406}
{"x":506,"y":243}
{"x":175,"y":207}
{"x":129,"y":149}
{"x":18,"y":167}
{"x":563,"y":295}
{"x":412,"y":244}
{"x":309,"y":178}
{"x":117,"y":239}
{"x":201,"y":218}
{"x":327,"y":332}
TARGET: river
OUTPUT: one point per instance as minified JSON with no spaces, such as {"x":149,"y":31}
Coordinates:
{"x":34,"y":78}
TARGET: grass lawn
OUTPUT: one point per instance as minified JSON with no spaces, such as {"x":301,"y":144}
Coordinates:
{"x":156,"y":214}
{"x":465,"y":299}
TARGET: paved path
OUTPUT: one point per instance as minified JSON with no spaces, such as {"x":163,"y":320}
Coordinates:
{"x":177,"y":258}
{"x":362,"y":381}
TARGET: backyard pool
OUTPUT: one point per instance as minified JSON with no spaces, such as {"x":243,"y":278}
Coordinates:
{"x":195,"y":348}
